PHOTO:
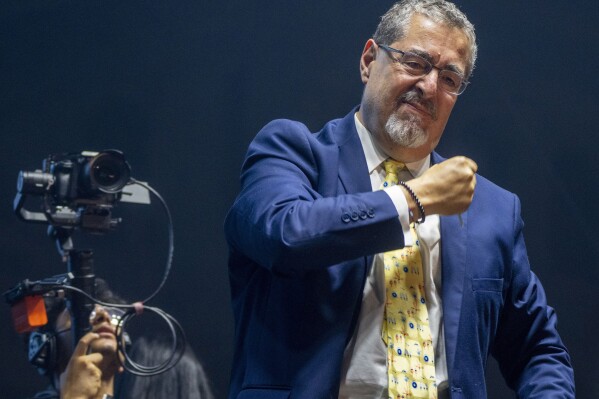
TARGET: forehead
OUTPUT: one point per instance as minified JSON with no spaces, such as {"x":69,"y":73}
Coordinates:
{"x":445,"y":45}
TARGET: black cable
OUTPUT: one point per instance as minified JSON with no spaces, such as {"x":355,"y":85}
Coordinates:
{"x":177,"y":346}
{"x":179,"y":340}
{"x":171,"y":236}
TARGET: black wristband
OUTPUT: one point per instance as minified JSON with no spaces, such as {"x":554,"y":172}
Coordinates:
{"x":416,"y":200}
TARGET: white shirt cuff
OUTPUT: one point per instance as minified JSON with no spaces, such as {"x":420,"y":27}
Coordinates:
{"x":401,"y":205}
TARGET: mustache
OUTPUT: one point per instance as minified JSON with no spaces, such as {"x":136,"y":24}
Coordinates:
{"x":414,"y":97}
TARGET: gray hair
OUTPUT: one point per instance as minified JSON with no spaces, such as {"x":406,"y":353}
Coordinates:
{"x":396,"y":21}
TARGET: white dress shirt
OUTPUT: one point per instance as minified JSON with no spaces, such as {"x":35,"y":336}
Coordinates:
{"x":364,"y":373}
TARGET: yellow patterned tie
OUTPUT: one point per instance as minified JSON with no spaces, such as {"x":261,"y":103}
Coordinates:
{"x":406,"y":332}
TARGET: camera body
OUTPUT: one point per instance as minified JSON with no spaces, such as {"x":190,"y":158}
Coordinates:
{"x":77,"y":189}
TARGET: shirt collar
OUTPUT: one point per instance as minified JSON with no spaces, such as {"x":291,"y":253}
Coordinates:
{"x":375,"y":156}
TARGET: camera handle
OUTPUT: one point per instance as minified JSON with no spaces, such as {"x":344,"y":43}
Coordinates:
{"x":80,"y":265}
{"x":24,"y":214}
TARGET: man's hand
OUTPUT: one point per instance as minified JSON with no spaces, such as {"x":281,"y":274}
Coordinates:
{"x":82,"y":378}
{"x":446,"y":188}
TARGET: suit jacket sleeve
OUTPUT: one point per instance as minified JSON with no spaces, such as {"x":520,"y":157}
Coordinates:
{"x":294,"y":214}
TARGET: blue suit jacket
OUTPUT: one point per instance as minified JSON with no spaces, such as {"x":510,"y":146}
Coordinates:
{"x":302,"y":234}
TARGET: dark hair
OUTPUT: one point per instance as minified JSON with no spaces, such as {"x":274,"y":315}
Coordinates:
{"x":105,"y":294}
{"x":186,"y":379}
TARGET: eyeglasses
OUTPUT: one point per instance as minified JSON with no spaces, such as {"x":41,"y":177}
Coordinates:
{"x":115,"y":314}
{"x":450,"y":81}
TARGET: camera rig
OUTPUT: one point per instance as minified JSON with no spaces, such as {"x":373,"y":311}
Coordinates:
{"x":77,"y":191}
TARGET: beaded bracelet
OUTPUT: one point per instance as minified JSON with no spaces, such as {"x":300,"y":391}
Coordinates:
{"x":416,"y":200}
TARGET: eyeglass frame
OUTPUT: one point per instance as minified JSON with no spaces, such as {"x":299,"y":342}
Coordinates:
{"x":464,"y":84}
{"x":116,"y":314}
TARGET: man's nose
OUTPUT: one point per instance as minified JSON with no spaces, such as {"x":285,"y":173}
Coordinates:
{"x":428,"y":84}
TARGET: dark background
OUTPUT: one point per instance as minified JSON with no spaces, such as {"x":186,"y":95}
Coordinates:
{"x":182,"y":87}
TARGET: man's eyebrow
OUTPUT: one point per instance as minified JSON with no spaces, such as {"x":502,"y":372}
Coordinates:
{"x":427,"y":56}
{"x":423,"y":54}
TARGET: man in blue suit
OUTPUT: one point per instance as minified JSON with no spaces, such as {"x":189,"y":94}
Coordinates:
{"x":308,"y":230}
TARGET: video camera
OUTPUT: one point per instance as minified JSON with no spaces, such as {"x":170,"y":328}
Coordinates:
{"x":77,"y":190}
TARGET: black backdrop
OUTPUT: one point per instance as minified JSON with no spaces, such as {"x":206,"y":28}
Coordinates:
{"x":182,"y":86}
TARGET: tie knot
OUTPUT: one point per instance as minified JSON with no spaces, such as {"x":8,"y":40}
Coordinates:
{"x":392,"y":167}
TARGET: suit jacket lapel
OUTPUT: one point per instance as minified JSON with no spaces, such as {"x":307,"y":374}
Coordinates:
{"x":353,"y":171}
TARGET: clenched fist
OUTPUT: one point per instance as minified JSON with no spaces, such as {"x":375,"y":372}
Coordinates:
{"x":446,"y":188}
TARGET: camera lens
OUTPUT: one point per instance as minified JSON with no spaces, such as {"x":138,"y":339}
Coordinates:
{"x":109,"y":172}
{"x":33,"y":182}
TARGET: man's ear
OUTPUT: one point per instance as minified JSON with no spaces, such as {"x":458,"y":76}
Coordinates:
{"x":368,"y":56}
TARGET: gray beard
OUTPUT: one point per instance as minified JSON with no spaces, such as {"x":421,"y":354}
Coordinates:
{"x":406,"y":133}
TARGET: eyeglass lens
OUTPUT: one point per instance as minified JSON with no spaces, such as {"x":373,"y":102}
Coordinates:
{"x":416,"y":65}
{"x":115,"y":314}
